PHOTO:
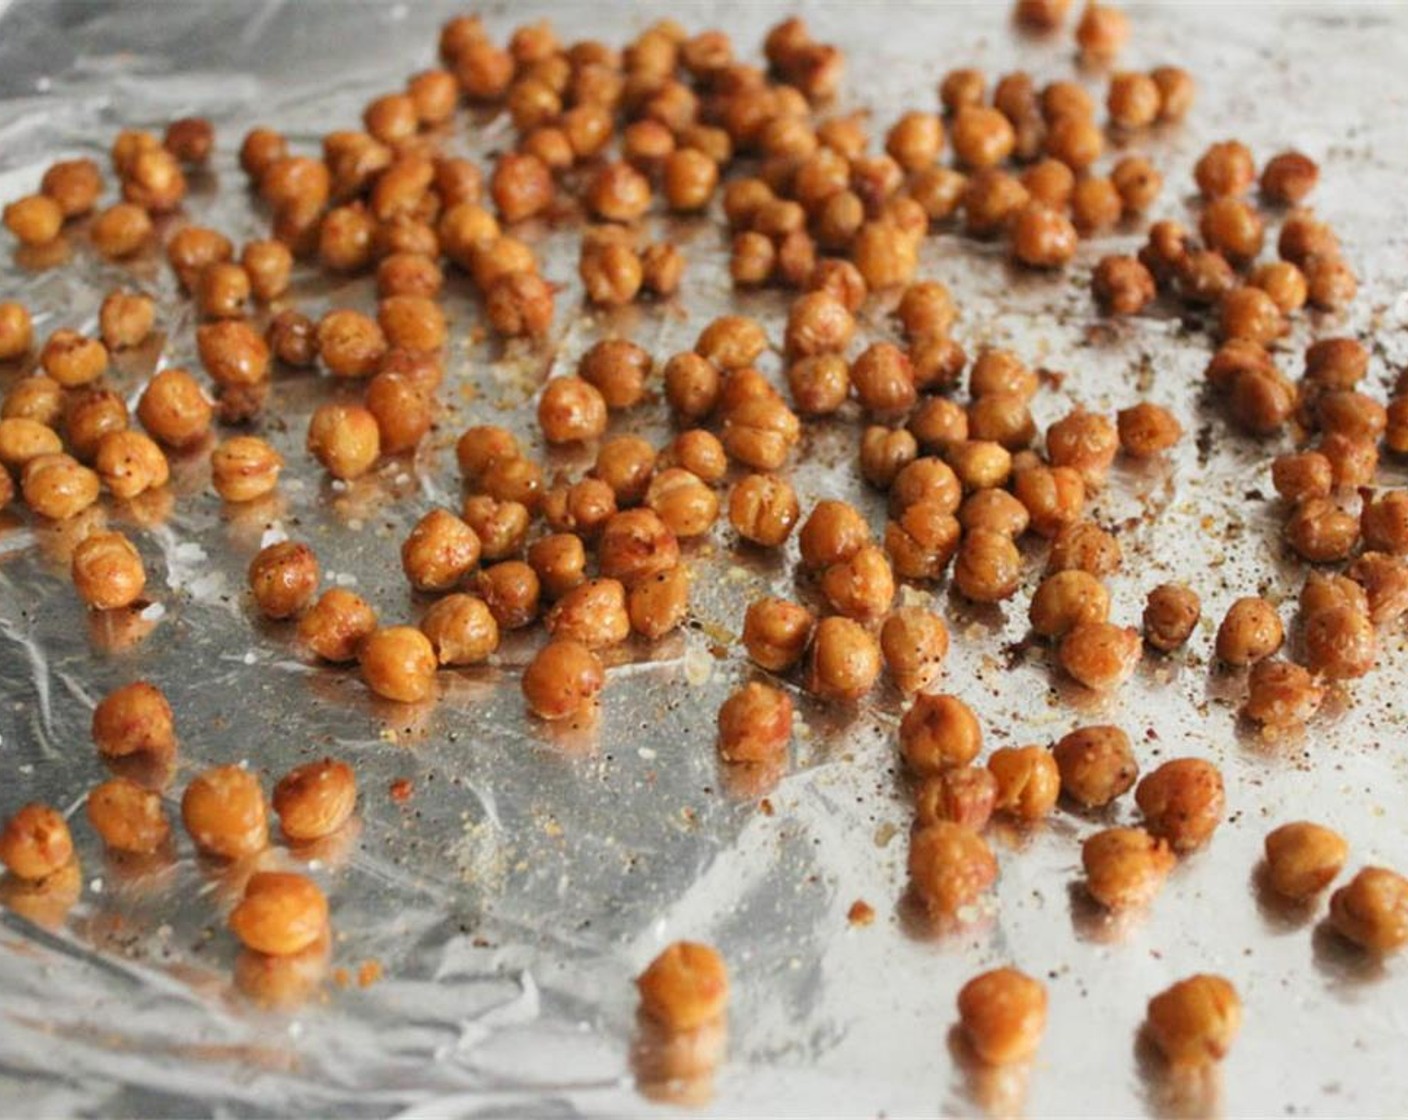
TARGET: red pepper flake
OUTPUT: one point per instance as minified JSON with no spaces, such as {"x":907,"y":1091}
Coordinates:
{"x":402,"y":790}
{"x":861,"y":913}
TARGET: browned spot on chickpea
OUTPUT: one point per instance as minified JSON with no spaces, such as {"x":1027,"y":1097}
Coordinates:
{"x":282,"y":913}
{"x":684,"y":988}
{"x":127,"y":817}
{"x":1182,"y":802}
{"x":223,"y":810}
{"x":35,"y":842}
{"x":1171,"y":612}
{"x":73,"y":360}
{"x":283,"y":578}
{"x":107,"y":571}
{"x":335,"y":626}
{"x":1194,"y":1022}
{"x":951,"y":867}
{"x":89,"y":416}
{"x":1002,"y":1014}
{"x":1372,"y":910}
{"x":884,"y":452}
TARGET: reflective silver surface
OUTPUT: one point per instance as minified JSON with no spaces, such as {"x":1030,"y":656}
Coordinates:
{"x":534,"y":872}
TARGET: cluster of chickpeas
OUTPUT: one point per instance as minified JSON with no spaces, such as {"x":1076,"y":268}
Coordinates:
{"x":603,"y":557}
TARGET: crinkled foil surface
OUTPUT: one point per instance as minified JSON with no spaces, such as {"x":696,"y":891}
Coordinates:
{"x":534,"y":872}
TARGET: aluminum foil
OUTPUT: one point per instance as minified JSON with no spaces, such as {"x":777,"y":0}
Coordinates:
{"x":534,"y":871}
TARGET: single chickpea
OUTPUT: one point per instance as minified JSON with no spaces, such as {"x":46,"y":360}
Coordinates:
{"x":1049,"y":182}
{"x":398,"y":663}
{"x":1096,"y":206}
{"x":1288,"y":177}
{"x":72,"y":359}
{"x":134,"y":719}
{"x":107,"y":571}
{"x":35,"y":842}
{"x":1028,"y":781}
{"x":1330,"y":284}
{"x":130,"y":463}
{"x":127,"y":817}
{"x":1138,"y":182}
{"x":1100,"y":655}
{"x":350,"y":344}
{"x":593,"y":613}
{"x":155,"y":181}
{"x":861,"y":586}
{"x":75,"y":184}
{"x":439,"y":552}
{"x":964,"y":795}
{"x":521,"y":187}
{"x":1122,"y":285}
{"x":939,"y":732}
{"x":980,"y":464}
{"x":16,"y":330}
{"x":462,"y":630}
{"x":683,"y":502}
{"x":994,"y":509}
{"x":1040,"y":15}
{"x":1261,"y":400}
{"x":35,"y":219}
{"x":914,"y":642}
{"x":1101,"y":32}
{"x":1320,"y":532}
{"x":336,"y":625}
{"x":408,"y":274}
{"x":884,"y":452}
{"x":1340,"y":643}
{"x":1002,"y":1014}
{"x":1250,"y":631}
{"x":1042,"y":237}
{"x":688,"y":180}
{"x":1165,"y":252}
{"x":1084,"y":441}
{"x":1054,"y":497}
{"x":1096,"y":765}
{"x":1372,"y":910}
{"x":991,"y":200}
{"x":562,"y":681}
{"x":760,"y":433}
{"x":190,"y":139}
{"x":501,"y":526}
{"x":692,"y":386}
{"x":58,"y":487}
{"x":233,"y":353}
{"x":512,"y":593}
{"x":89,"y":416}
{"x":1147,"y":429}
{"x":1125,"y":867}
{"x":1077,"y":142}
{"x":1002,"y":418}
{"x":1233,"y":228}
{"x":282,"y":913}
{"x":845,"y":660}
{"x":731,"y":342}
{"x":1194,"y":1022}
{"x":883,"y":380}
{"x":834,"y":531}
{"x":1226,"y":168}
{"x":981,"y":136}
{"x":1182,"y":802}
{"x":636,"y":544}
{"x":625,"y":464}
{"x":244,"y":468}
{"x":1281,"y":694}
{"x":923,"y":540}
{"x":1352,"y":460}
{"x":662,"y":268}
{"x":660,"y":603}
{"x":1171,"y":612}
{"x":283,"y":578}
{"x":37,"y":398}
{"x":1303,"y":237}
{"x":559,"y":561}
{"x":1065,"y":600}
{"x":313,"y":801}
{"x":345,"y":439}
{"x":402,"y":408}
{"x":514,"y":480}
{"x":292,"y":338}
{"x":951,"y":867}
{"x":412,"y":323}
{"x":938,"y":191}
{"x":121,"y":230}
{"x":1384,"y":579}
{"x":1176,"y":92}
{"x":684,"y":988}
{"x":520,"y":304}
{"x":221,"y":290}
{"x":223,"y":810}
{"x":125,"y":320}
{"x":22,"y":440}
{"x":1302,"y":859}
{"x":618,"y":193}
{"x":1396,"y":424}
{"x":1284,"y":283}
{"x":818,"y":323}
{"x":755,"y":725}
{"x":988,"y":568}
{"x":1203,"y":277}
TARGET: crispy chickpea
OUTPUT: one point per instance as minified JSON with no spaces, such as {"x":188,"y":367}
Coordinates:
{"x":1288,"y":177}
{"x":1384,"y":579}
{"x":1002,"y":1014}
{"x":350,"y":344}
{"x":121,"y":230}
{"x":951,"y":867}
{"x":1396,"y":424}
{"x":636,"y":544}
{"x":834,"y":531}
{"x":1125,"y":867}
{"x":315,"y":800}
{"x":193,"y":248}
{"x":1050,"y":183}
{"x":683,"y":502}
{"x":1133,"y":99}
{"x":1054,"y":497}
{"x":1340,"y":643}
{"x":72,"y":359}
{"x":991,"y":200}
{"x":259,"y":150}
{"x":684,"y":988}
{"x":1233,"y":228}
{"x":1028,"y":781}
{"x":1042,"y":237}
{"x":1302,"y":859}
{"x":408,"y":274}
{"x":402,"y":408}
{"x":1084,"y":441}
{"x":521,"y":187}
{"x":1002,"y":418}
{"x":501,"y":526}
{"x":22,"y":440}
{"x":1165,"y":251}
{"x":1040,"y":15}
{"x":411,"y":323}
{"x":1122,"y":285}
{"x":127,"y":817}
{"x":571,"y":409}
{"x":988,"y":568}
{"x":776,"y":632}
{"x":233,"y":353}
{"x":221,"y":290}
{"x":1001,"y":371}
{"x":1096,"y":765}
{"x":398,"y":663}
{"x":845,"y":660}
{"x":345,"y":439}
{"x":625,"y":464}
{"x":818,"y":323}
{"x":283,"y":578}
{"x":1204,"y":277}
{"x":37,"y":398}
{"x":481,"y":446}
{"x":1147,"y":429}
{"x":962,"y":87}
{"x":981,"y":136}
{"x":688,"y":180}
{"x":155,"y":181}
{"x":618,"y":369}
{"x":1320,"y":532}
{"x":125,"y":320}
{"x":731,"y":342}
{"x":1065,"y":600}
{"x":1352,"y":460}
{"x":75,"y":184}
{"x":292,"y":339}
{"x":820,"y":384}
{"x":1102,"y":31}
{"x":462,"y":630}
{"x":1226,"y":168}
{"x":1330,"y":284}
{"x":35,"y":219}
{"x":698,"y":451}
{"x":760,"y":433}
{"x":1284,"y":283}
{"x":1261,"y":400}
{"x":244,"y":468}
{"x":1250,"y":631}
{"x":16,"y":330}
{"x":964,"y":795}
{"x":134,"y":719}
{"x":883,"y":380}
{"x":618,"y":193}
{"x":560,"y":562}
{"x":190,"y":139}
{"x":1281,"y":694}
{"x":1304,"y":237}
{"x":335,"y":626}
{"x":514,"y":480}
{"x":1182,"y":802}
{"x":439,"y":552}
{"x":861,"y":586}
{"x":994,"y":509}
{"x":562,"y":680}
{"x":914,"y":642}
{"x":89,"y":416}
{"x":593,"y":613}
{"x":520,"y":304}
{"x":1171,"y":612}
{"x":1138,"y":182}
{"x":939,"y":732}
{"x":1077,"y":142}
{"x":35,"y":842}
{"x":979,"y":464}
{"x":1095,"y":206}
{"x":1176,"y":92}
{"x":755,"y":725}
{"x":282,"y":913}
{"x":884,"y":452}
{"x":585,"y":506}
{"x":1194,"y":1022}
{"x":58,"y":487}
{"x":107,"y":571}
{"x":130,"y":463}
{"x":1372,"y":910}
{"x":692,"y":386}
{"x":1100,"y":655}
{"x":223,"y":810}
{"x":659,"y":603}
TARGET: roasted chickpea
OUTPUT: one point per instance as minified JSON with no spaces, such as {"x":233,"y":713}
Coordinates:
{"x":292,"y":338}
{"x":1302,"y":859}
{"x":618,"y":193}
{"x":991,"y":200}
{"x":981,"y":136}
{"x":1176,"y":92}
{"x":75,"y":184}
{"x":1041,"y":15}
{"x":914,"y":642}
{"x":282,"y":913}
{"x":89,"y":416}
{"x":1182,"y":802}
{"x":127,"y":817}
{"x":1028,"y":781}
{"x":16,"y":331}
{"x":107,"y":571}
{"x":1225,"y":169}
{"x":345,"y":439}
{"x":514,"y":480}
{"x":1102,"y":31}
{"x":1049,"y":182}
{"x":72,"y":359}
{"x":35,"y":842}
{"x":1002,"y":418}
{"x":521,"y":187}
{"x":1194,"y":1022}
{"x":692,"y":386}
{"x":1320,"y":532}
{"x":1204,"y":277}
{"x":439,"y":552}
{"x":1281,"y":694}
{"x":834,"y":531}
{"x":593,"y":613}
{"x":1384,"y":579}
{"x":350,"y":344}
{"x":1233,"y":228}
{"x":684,"y":988}
{"x":1084,"y":441}
{"x":818,"y":323}
{"x":1304,"y":237}
{"x":121,"y":230}
{"x":1340,"y":643}
{"x":58,"y":487}
{"x":35,"y":219}
{"x":688,"y":179}
{"x":845,"y":660}
{"x":1147,"y":429}
{"x":37,"y":399}
{"x":1122,"y":285}
{"x":1288,"y":177}
{"x":1041,"y":237}
{"x":884,"y":453}
{"x":950,"y":867}
{"x":1171,"y":612}
{"x":760,"y":433}
{"x":560,"y":562}
{"x":398,"y":663}
{"x":1138,"y":182}
{"x":501,"y":526}
{"x":659,"y":604}
{"x":1284,"y":283}
{"x":1125,"y":867}
{"x":861,"y":586}
{"x":636,"y":544}
{"x":462,"y":629}
{"x":1372,"y":910}
{"x":939,"y":732}
{"x":1096,"y":765}
{"x":625,"y":464}
{"x":512,"y":593}
{"x":223,"y":810}
{"x":125,"y":320}
{"x":1002,"y":1014}
{"x":683,"y":502}
{"x":755,"y":725}
{"x":988,"y":568}
{"x":883,"y":380}
{"x":283,"y":578}
{"x":134,"y":719}
{"x":130,"y":463}
{"x":233,"y":353}
{"x":1250,"y":631}
{"x":562,"y":680}
{"x":1066,"y":600}
{"x":1100,"y":655}
{"x":23,"y":439}
{"x":1096,"y":206}
{"x":315,"y":800}
{"x":244,"y":468}
{"x":336,"y":625}
{"x":964,"y":795}
{"x":411,"y":323}
{"x":1054,"y":497}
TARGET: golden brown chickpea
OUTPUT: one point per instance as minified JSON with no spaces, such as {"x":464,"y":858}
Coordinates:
{"x":988,"y":568}
{"x":753,"y":259}
{"x":662,"y":268}
{"x":611,"y":272}
{"x":350,"y":344}
{"x":1352,"y":461}
{"x":1323,"y":591}
{"x":520,"y":304}
{"x":1002,"y":1014}
{"x":883,"y":380}
{"x":636,"y":544}
{"x":776,"y":633}
{"x":16,"y":330}
{"x":192,"y":249}
{"x":981,"y":136}
{"x":861,"y":586}
{"x":731,"y":342}
{"x":1372,"y":910}
{"x":125,"y":320}
{"x":1225,"y":169}
{"x":403,"y":410}
{"x":282,"y":913}
{"x":1077,"y":142}
{"x":1054,"y":497}
{"x":1284,"y":283}
{"x":36,"y":398}
{"x":35,"y":842}
{"x":1396,"y":425}
{"x":514,"y":480}
{"x":755,"y":725}
{"x":962,"y":87}
{"x":845,"y":660}
{"x":89,"y":415}
{"x":1096,"y":765}
{"x":1302,"y":859}
{"x":1250,"y":631}
{"x":820,"y":384}
{"x":1100,"y":655}
{"x":1320,"y":532}
{"x":938,"y":191}
{"x":688,"y":180}
{"x":1028,"y":781}
{"x":834,"y":531}
{"x":1147,"y":429}
{"x":980,"y":464}
{"x":233,"y":353}
{"x":244,"y":468}
{"x":292,"y":338}
{"x":1041,"y":15}
{"x":625,"y":464}
{"x":562,"y":680}
{"x":914,"y":642}
{"x":1042,"y":237}
{"x":950,"y":867}
{"x":1340,"y":643}
{"x":411,"y":323}
{"x":22,"y":440}
{"x":190,"y":139}
{"x":884,"y":452}
{"x":818,"y":323}
{"x":58,"y":487}
{"x":1330,"y":284}
{"x":1066,"y":600}
{"x":1281,"y":694}
{"x":1288,"y":177}
{"x":35,"y":219}
{"x":75,"y":184}
{"x":1050,"y":183}
{"x":1096,"y":206}
{"x":939,"y":732}
{"x":130,"y":463}
{"x":439,"y":552}
{"x":991,"y":200}
{"x":1176,"y":92}
{"x":560,"y":562}
{"x":1204,"y":277}
{"x":1261,"y":401}
{"x":1085,"y":442}
{"x":1133,"y":99}
{"x":618,"y":370}
{"x":174,"y":409}
{"x":1233,"y":228}
{"x":593,"y":613}
{"x":72,"y":359}
{"x":1102,"y":31}
{"x":461,"y":629}
{"x":915,"y":140}
{"x":408,"y":274}
{"x":964,"y":795}
{"x":283,"y":578}
{"x":223,"y":810}
{"x":683,"y":502}
{"x":155,"y":181}
{"x":501,"y":526}
{"x":1194,"y":1022}
{"x":1138,"y":182}
{"x":221,"y":290}
{"x":1348,"y":413}
{"x":398,"y":663}
{"x":260,"y":149}
{"x":345,"y":439}
{"x":760,"y":432}
{"x":684,"y":988}
{"x":1182,"y":802}
{"x":659,"y":604}
{"x":1001,"y":371}
{"x":1384,"y":579}
{"x":315,"y":800}
{"x":521,"y":187}
{"x":1002,"y":418}
{"x":699,"y":452}
{"x":127,"y":817}
{"x":121,"y":230}
{"x":335,"y":626}
{"x":107,"y":571}
{"x":585,"y":506}
{"x":1125,"y":867}
{"x":923,"y":540}
{"x":1171,"y":612}
{"x":691,"y":386}
{"x":1122,"y":285}
{"x":618,"y":193}
{"x":134,"y":719}
{"x":1234,"y":357}
{"x":994,"y":509}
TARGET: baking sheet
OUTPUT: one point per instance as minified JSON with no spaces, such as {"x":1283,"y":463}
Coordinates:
{"x":535,"y":871}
